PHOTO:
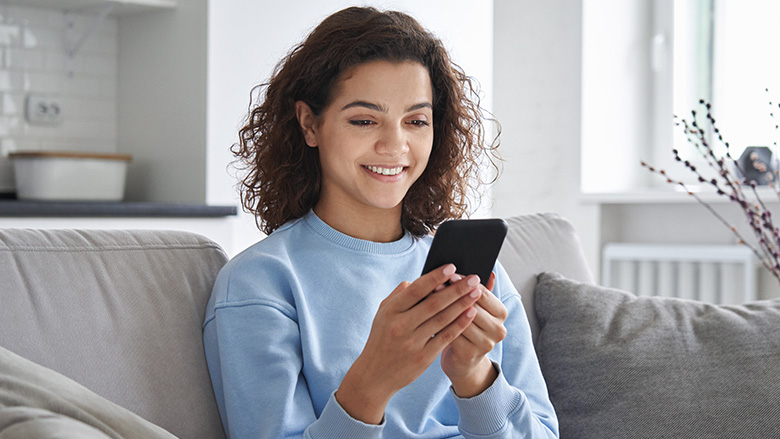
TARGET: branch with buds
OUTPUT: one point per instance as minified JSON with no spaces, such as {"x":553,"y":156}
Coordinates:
{"x":728,"y":184}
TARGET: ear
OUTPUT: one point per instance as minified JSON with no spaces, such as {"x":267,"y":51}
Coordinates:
{"x":308,"y":122}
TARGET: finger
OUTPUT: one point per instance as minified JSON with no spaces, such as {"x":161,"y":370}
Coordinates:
{"x":424,"y":285}
{"x":444,"y":318}
{"x":486,"y":321}
{"x":440,"y":340}
{"x":490,"y":303}
{"x":469,"y":338}
{"x":473,"y":341}
{"x":486,"y":329}
{"x":437,"y":302}
{"x":454,"y":278}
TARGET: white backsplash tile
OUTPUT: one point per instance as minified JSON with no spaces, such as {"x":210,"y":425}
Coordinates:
{"x":10,"y":35}
{"x":41,"y":38}
{"x":82,"y":85}
{"x":26,"y":16}
{"x":33,"y":59}
{"x":44,"y":82}
{"x":18,"y":58}
{"x":9,"y":81}
{"x":94,"y":66}
{"x":55,"y":60}
{"x":12,"y":104}
{"x":11,"y":126}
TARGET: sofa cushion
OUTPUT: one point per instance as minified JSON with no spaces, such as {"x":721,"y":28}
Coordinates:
{"x":618,"y":365}
{"x":118,"y":311}
{"x":36,"y":402}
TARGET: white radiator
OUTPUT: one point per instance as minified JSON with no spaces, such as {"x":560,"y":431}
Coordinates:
{"x":709,"y":273}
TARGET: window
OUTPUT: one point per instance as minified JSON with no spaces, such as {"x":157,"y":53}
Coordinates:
{"x":646,"y":61}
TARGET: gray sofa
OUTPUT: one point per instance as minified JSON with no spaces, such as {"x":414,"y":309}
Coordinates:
{"x":100,"y":336}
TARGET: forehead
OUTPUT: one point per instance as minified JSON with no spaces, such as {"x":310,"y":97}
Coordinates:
{"x":384,"y":80}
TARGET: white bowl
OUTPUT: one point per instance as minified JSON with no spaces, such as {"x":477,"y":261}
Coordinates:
{"x":69,"y":176}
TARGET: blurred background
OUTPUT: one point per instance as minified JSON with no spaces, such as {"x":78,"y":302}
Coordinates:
{"x":584,"y":90}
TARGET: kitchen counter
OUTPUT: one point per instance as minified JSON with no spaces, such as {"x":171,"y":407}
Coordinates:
{"x":71,"y":209}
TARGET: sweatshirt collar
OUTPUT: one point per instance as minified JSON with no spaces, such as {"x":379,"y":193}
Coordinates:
{"x":322,"y":228}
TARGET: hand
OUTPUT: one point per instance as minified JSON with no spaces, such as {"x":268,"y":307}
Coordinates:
{"x":464,"y":360}
{"x":412,"y":326}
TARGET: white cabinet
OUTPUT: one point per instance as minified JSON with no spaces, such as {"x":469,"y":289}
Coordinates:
{"x":120,"y":6}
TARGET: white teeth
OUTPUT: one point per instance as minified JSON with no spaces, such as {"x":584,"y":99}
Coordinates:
{"x":385,"y":171}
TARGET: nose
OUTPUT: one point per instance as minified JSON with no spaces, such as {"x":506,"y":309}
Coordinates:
{"x":392,"y":141}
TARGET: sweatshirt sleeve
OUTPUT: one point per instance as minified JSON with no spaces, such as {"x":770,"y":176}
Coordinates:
{"x":253,"y":349}
{"x":517,"y":404}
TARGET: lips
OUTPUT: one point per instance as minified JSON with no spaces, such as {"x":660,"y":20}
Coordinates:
{"x":385,"y":171}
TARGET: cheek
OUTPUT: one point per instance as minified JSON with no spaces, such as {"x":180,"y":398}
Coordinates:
{"x":332,"y":145}
{"x":424,"y":147}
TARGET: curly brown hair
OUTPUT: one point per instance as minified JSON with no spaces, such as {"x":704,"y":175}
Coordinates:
{"x":283,"y":175}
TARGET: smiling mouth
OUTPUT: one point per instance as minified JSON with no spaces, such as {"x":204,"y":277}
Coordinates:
{"x":385,"y":171}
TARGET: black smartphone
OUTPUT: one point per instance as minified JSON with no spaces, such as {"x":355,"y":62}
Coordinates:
{"x":472,"y":245}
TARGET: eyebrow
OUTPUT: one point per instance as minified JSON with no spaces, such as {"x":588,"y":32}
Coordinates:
{"x":382,"y":109}
{"x":419,"y":106}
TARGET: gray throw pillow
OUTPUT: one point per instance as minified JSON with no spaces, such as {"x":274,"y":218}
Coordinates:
{"x":27,"y":423}
{"x":37,"y":402}
{"x":622,"y":366}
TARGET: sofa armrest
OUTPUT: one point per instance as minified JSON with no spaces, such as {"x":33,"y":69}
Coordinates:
{"x":537,"y":243}
{"x":118,"y":311}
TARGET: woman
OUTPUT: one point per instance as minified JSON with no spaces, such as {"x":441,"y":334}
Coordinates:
{"x":364,"y":142}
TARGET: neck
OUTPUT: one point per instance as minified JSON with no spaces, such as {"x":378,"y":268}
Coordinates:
{"x":379,"y":225}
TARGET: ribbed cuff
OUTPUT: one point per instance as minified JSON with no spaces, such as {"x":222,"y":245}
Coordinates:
{"x":335,"y":422}
{"x":488,"y":412}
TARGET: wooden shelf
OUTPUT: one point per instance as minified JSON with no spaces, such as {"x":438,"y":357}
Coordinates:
{"x":122,"y":7}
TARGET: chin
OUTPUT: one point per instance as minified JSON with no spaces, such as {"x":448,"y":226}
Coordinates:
{"x":388,"y":205}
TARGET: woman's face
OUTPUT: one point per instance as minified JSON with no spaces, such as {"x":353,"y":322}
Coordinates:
{"x":375,"y":136}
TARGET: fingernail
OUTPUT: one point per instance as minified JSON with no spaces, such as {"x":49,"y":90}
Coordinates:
{"x":473,"y":281}
{"x":471,"y":312}
{"x":449,"y":270}
{"x":474,"y":294}
{"x":455,"y":278}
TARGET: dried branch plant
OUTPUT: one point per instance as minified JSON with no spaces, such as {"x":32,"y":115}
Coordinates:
{"x":727,"y":182}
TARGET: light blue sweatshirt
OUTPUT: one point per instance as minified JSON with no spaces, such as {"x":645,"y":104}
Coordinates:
{"x":289,"y":316}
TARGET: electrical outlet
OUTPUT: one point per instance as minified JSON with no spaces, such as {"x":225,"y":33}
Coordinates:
{"x":43,"y":109}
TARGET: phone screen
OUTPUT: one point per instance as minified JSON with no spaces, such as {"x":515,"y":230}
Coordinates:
{"x":472,"y":245}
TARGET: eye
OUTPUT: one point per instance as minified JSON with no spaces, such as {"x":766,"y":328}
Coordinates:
{"x":419,"y":123}
{"x":361,"y":122}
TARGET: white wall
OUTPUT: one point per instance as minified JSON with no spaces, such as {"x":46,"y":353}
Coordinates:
{"x":618,"y":96}
{"x":538,"y":48}
{"x":162,"y":102}
{"x":246,"y":38}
